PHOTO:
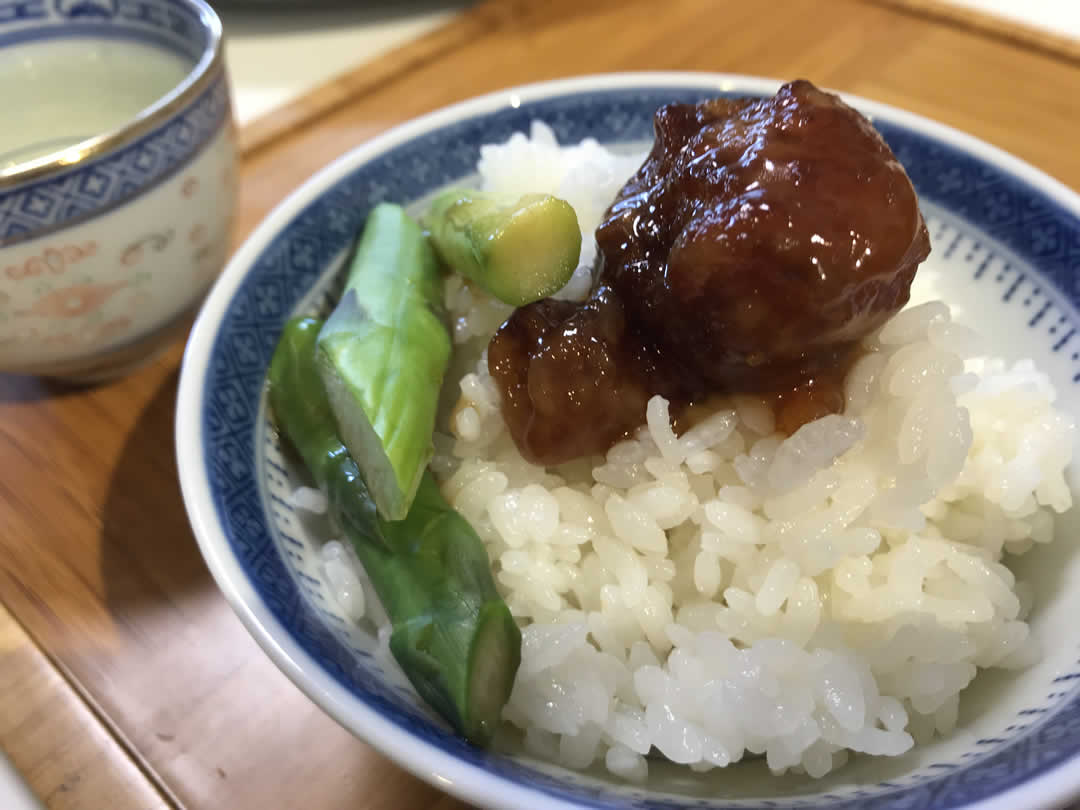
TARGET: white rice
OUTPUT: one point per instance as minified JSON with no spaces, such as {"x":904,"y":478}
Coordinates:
{"x":732,"y":591}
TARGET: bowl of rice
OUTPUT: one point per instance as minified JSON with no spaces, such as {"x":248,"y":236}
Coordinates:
{"x":875,"y":611}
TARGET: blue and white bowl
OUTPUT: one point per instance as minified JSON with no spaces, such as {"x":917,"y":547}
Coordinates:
{"x":117,"y":179}
{"x":1006,"y":257}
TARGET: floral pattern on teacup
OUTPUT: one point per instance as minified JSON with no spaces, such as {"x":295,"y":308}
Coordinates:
{"x":53,"y":260}
{"x":73,"y":301}
{"x":157,"y":242}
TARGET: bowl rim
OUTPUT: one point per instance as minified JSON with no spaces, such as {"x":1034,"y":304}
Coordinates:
{"x":210,"y":62}
{"x":439,"y":768}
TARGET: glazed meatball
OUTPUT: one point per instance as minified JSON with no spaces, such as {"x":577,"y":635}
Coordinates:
{"x":759,"y":241}
{"x":572,"y":378}
{"x":761,"y":234}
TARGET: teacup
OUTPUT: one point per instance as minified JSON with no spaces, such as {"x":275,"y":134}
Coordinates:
{"x":117,"y":179}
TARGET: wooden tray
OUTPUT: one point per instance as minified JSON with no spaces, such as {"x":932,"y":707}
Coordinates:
{"x":123,"y":673}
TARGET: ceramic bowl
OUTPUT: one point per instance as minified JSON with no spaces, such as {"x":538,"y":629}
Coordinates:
{"x":1006,"y":257}
{"x":117,"y":179}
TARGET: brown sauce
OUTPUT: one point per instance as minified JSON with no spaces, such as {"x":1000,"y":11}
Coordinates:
{"x":810,"y":399}
{"x":753,"y":249}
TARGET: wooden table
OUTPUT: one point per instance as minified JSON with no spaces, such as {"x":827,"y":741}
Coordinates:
{"x":125,"y":680}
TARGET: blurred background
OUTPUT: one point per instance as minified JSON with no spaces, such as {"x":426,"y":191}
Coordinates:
{"x":279,"y":49}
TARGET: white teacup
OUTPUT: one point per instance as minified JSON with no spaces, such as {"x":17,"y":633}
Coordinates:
{"x":117,"y":179}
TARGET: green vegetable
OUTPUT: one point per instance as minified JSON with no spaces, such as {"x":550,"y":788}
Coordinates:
{"x":518,"y":249}
{"x":453,"y":635}
{"x":382,"y":356}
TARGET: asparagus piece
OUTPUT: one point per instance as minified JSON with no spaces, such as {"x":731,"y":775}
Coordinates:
{"x":518,"y":249}
{"x":453,"y":635}
{"x":382,"y":356}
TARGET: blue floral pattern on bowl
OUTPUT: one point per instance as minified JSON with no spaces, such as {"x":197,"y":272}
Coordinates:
{"x":1011,"y":233}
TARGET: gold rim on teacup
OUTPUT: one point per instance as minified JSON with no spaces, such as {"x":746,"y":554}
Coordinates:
{"x":211,"y":63}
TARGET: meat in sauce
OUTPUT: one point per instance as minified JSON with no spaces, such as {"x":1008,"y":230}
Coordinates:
{"x":756,"y":245}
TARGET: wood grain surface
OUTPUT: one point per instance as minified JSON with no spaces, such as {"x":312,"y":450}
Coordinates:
{"x":984,"y":22}
{"x":54,"y":739}
{"x":97,"y":561}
